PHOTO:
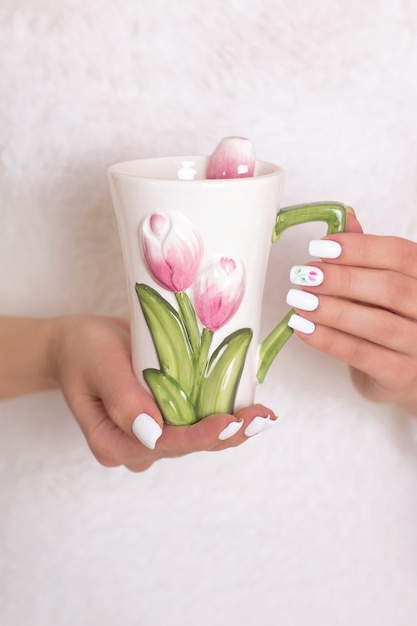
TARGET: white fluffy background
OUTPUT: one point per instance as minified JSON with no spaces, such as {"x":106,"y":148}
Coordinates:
{"x":312,"y":523}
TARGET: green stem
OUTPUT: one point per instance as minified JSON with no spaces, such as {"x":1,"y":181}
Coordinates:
{"x":189,"y":319}
{"x":272,"y":344}
{"x":332,"y":213}
{"x":201,"y":362}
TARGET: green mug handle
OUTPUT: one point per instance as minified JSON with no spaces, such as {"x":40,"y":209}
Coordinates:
{"x":334,"y":215}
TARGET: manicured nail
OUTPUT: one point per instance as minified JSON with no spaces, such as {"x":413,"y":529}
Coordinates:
{"x":257,"y":425}
{"x":350,"y":210}
{"x":302,"y":300}
{"x":306,"y":275}
{"x":324,"y":248}
{"x":146,"y":430}
{"x":230,"y":430}
{"x":296,"y":322}
{"x":234,"y":157}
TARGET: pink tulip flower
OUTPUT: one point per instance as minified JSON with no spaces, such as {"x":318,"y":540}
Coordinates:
{"x":218,"y":292}
{"x":172,"y":249}
{"x":234,"y":157}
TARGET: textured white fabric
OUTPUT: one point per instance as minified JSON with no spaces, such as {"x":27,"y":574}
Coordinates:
{"x":313,"y":522}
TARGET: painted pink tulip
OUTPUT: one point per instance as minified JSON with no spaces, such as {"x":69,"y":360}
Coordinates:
{"x":218,"y":292}
{"x":234,"y":157}
{"x":172,"y":249}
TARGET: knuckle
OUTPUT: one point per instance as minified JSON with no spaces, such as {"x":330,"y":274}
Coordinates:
{"x":345,"y":280}
{"x":405,"y":253}
{"x":116,"y":407}
{"x":337,"y":312}
{"x":113,"y":402}
{"x":357,"y":351}
{"x":396,"y":288}
{"x":387,"y":325}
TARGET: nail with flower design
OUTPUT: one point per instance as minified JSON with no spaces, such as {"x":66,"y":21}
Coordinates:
{"x":306,"y":275}
{"x":172,"y":250}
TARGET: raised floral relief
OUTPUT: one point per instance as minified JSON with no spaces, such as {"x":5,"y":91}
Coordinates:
{"x":218,"y":292}
{"x":172,"y":249}
{"x":191,"y":382}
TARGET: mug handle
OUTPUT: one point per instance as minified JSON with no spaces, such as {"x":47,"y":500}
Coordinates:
{"x":334,"y":215}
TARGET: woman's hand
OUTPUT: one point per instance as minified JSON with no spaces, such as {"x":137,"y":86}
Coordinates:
{"x":359,"y":305}
{"x":119,"y":418}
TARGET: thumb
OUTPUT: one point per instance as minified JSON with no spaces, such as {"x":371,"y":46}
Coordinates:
{"x":132,"y":408}
{"x":129,"y":405}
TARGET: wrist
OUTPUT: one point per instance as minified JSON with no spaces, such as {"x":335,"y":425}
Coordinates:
{"x":26,"y":355}
{"x":51,"y":338}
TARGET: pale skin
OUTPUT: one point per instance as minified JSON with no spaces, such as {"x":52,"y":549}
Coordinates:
{"x":88,"y":358}
{"x":367,"y":314}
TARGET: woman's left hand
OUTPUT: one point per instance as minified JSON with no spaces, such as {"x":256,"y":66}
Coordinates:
{"x":358,"y":303}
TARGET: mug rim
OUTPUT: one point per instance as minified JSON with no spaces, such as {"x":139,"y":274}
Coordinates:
{"x":129,"y":169}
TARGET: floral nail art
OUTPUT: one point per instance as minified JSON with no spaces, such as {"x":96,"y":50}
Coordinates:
{"x":306,"y":275}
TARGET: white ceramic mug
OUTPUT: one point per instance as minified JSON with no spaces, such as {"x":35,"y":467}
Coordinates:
{"x":195,"y":254}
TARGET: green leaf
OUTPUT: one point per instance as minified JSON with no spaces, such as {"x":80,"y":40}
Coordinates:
{"x":172,"y":345}
{"x":189,"y":319}
{"x":171,"y":399}
{"x":200,"y":362}
{"x":221,"y":379}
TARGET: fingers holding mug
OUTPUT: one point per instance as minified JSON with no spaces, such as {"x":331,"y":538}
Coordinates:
{"x":215,"y":432}
{"x":357,"y":304}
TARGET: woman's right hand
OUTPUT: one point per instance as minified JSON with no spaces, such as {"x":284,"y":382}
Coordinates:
{"x":119,"y":418}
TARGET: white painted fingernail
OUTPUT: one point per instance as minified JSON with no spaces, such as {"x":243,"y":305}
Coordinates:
{"x":146,"y":430}
{"x":257,"y":425}
{"x":230,"y":430}
{"x":306,"y":275}
{"x":302,"y":300}
{"x":324,"y":248}
{"x":296,"y":322}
